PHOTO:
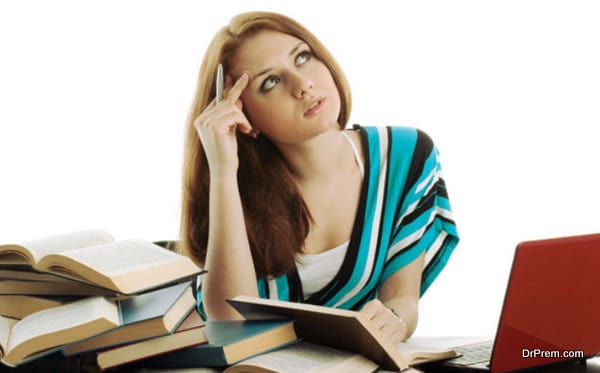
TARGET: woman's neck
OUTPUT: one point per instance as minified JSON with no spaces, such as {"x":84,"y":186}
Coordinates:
{"x":321,"y":158}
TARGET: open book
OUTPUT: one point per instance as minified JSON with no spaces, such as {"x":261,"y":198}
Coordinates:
{"x":305,"y":357}
{"x":43,"y":331}
{"x":93,"y":257}
{"x":343,"y":329}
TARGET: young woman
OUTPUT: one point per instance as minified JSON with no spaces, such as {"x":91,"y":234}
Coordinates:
{"x":281,"y":201}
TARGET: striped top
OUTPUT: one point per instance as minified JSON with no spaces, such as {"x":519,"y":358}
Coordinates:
{"x":403,"y":211}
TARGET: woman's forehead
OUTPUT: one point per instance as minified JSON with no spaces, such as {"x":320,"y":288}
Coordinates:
{"x":261,"y":50}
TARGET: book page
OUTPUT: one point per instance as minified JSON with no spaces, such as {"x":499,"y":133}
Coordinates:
{"x":65,"y":242}
{"x":63,"y":317}
{"x":418,"y":352}
{"x":305,"y":357}
{"x":121,"y":257}
{"x":4,"y":333}
{"x":126,"y":266}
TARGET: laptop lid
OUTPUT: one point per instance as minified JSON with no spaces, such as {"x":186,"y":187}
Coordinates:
{"x":551,"y":310}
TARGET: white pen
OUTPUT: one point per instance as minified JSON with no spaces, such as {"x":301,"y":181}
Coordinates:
{"x":219,"y":83}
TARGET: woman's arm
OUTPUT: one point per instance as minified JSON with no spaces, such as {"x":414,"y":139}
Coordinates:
{"x":228,"y":256}
{"x":396,"y":310}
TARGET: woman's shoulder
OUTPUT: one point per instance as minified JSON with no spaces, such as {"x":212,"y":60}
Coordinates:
{"x":394,"y":133}
{"x":389,"y":128}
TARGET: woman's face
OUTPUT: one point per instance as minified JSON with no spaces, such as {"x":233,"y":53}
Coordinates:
{"x":291,"y":95}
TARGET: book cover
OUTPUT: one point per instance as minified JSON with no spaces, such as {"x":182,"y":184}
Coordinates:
{"x":229,"y":342}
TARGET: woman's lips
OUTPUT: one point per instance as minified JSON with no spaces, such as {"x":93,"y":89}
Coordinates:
{"x":315,"y":107}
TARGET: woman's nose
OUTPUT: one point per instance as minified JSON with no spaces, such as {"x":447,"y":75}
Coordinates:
{"x":300,"y":84}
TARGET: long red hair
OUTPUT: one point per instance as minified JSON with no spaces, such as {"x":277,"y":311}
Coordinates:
{"x":277,"y":219}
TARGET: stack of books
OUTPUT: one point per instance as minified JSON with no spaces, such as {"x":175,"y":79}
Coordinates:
{"x":132,"y":303}
{"x":84,"y":291}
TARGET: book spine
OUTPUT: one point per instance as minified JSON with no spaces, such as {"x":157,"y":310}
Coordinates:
{"x":206,"y":356}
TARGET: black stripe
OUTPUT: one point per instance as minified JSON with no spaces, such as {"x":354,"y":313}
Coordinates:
{"x":449,"y":221}
{"x":436,"y":258}
{"x":427,"y":203}
{"x":423,"y":148}
{"x":267,"y":290}
{"x":295,"y":286}
{"x":360,"y":304}
{"x":441,"y":188}
{"x":348,"y":265}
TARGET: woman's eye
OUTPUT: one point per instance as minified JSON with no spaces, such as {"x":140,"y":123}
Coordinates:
{"x":302,"y":58}
{"x":269,"y":83}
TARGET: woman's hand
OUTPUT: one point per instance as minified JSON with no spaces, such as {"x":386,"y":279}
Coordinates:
{"x":385,"y":320}
{"x":217,"y":124}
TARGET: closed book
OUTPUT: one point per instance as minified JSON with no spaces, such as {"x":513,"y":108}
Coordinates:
{"x":188,"y":333}
{"x":146,"y":315}
{"x":229,"y":342}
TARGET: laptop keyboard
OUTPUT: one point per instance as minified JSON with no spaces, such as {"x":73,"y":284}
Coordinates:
{"x":480,"y":352}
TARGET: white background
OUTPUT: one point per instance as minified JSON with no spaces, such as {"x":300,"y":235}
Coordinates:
{"x":94,"y":95}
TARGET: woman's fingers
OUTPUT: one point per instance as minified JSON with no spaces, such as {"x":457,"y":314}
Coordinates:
{"x":231,"y":97}
{"x":385,"y":320}
{"x":235,"y":92}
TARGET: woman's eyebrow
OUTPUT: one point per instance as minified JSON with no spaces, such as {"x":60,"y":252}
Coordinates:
{"x":292,"y":52}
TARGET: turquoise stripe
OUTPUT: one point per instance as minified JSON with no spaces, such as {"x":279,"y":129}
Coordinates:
{"x":199,"y":305}
{"x":262,"y":288}
{"x":413,"y":226}
{"x":283,"y":288}
{"x":413,"y":196}
{"x":424,"y":244}
{"x":440,"y":261}
{"x":369,"y":217}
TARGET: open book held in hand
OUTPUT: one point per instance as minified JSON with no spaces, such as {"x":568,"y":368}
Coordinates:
{"x":94,"y":257}
{"x":338,"y":328}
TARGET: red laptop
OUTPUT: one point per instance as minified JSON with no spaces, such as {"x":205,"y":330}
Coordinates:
{"x":551,"y":310}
